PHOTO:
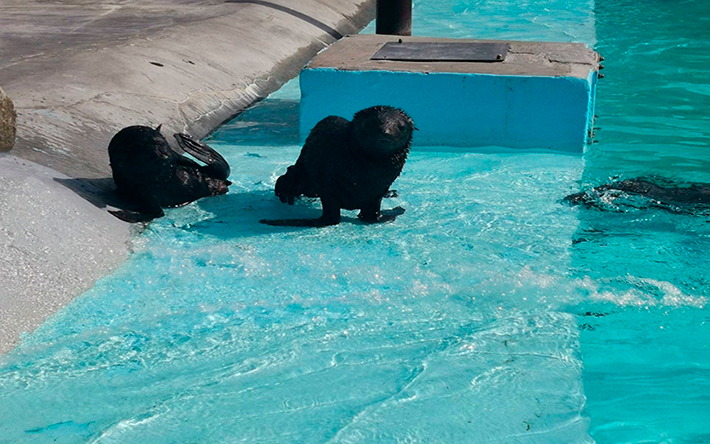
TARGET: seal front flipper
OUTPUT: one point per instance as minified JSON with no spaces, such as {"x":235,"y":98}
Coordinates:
{"x":390,"y":215}
{"x":148,"y":209}
{"x":290,"y":185}
{"x":371,"y":213}
{"x":217,"y":166}
{"x":381,"y":216}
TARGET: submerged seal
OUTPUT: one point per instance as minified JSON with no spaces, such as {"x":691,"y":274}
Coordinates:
{"x":151,"y":176}
{"x":666,"y":196}
{"x":349,"y":165}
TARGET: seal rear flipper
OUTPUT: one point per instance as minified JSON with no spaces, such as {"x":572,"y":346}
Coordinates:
{"x":145,"y":208}
{"x":217,"y":166}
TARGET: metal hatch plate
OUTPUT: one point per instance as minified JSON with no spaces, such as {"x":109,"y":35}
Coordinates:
{"x":442,"y":52}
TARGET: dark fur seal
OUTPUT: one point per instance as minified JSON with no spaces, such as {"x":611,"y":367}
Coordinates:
{"x":662,"y":195}
{"x":349,"y":165}
{"x":151,"y":176}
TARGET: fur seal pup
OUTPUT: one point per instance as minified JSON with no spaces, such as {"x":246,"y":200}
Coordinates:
{"x":662,"y":195}
{"x":349,"y":165}
{"x":151,"y":176}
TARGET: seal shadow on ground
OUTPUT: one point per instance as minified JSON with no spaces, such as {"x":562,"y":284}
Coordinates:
{"x":237,"y":214}
{"x":100,"y":192}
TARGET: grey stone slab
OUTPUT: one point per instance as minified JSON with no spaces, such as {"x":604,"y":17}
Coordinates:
{"x":442,"y":52}
{"x":548,"y":59}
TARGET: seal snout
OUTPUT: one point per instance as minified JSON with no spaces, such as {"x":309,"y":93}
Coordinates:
{"x":217,"y":187}
{"x":393,"y":135}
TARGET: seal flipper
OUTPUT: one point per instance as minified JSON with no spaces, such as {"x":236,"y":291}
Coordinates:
{"x":371,"y":213}
{"x":217,"y":166}
{"x":382,"y":216}
{"x":290,"y":185}
{"x":390,"y":215}
{"x":148,"y":209}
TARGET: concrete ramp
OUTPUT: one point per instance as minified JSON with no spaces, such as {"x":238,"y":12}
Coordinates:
{"x":79,"y":72}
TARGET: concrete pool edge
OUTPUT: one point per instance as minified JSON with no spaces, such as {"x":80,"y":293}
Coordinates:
{"x":56,"y":238}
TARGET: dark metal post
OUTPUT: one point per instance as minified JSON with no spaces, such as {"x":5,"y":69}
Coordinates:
{"x":394,"y":17}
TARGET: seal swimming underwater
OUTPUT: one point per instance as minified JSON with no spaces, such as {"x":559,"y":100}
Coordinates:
{"x":151,"y":176}
{"x":661,"y":195}
{"x":349,"y":165}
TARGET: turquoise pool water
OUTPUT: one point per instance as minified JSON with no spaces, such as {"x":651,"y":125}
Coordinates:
{"x":488,"y":312}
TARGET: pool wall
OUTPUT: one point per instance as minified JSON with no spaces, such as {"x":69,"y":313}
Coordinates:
{"x":77,"y":73}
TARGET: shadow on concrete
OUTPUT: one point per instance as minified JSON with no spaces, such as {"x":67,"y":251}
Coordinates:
{"x":100,"y":192}
{"x":306,"y":18}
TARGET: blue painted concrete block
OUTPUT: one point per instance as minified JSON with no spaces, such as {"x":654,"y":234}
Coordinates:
{"x":525,"y":102}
